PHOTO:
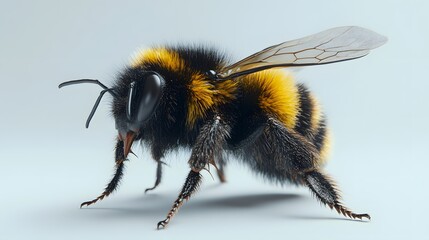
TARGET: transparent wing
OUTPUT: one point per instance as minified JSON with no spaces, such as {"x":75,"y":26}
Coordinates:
{"x":332,"y":45}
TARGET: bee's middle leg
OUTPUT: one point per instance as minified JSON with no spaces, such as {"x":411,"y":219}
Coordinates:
{"x":191,"y":184}
{"x":207,"y":145}
{"x":299,"y":160}
{"x":158,"y":175}
{"x":220,"y":170}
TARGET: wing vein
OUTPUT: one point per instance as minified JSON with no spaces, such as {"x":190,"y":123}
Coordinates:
{"x":330,"y":46}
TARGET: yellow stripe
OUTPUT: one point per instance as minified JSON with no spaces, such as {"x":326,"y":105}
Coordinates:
{"x":225,"y":91}
{"x":316,"y":114}
{"x":204,"y":96}
{"x":316,"y":118}
{"x":200,"y":99}
{"x":325,"y":151}
{"x":165,"y":58}
{"x":279,"y":95}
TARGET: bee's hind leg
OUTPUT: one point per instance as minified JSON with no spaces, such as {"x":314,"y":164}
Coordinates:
{"x":325,"y":190}
{"x":291,"y":152}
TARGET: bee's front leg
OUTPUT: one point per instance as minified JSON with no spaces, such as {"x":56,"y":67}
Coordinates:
{"x":209,"y":143}
{"x":113,"y":184}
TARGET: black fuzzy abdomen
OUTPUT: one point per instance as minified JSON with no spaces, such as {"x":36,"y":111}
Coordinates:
{"x":246,"y":118}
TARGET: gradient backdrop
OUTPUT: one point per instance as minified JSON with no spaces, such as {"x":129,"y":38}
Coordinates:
{"x":49,"y":163}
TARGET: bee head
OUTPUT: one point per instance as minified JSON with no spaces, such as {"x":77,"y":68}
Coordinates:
{"x":135,"y":99}
{"x":138,"y":101}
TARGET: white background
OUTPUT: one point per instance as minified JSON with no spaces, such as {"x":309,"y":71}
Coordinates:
{"x":49,"y":163}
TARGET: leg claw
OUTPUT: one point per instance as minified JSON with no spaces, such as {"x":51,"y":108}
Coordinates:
{"x":94,"y":201}
{"x":86,"y":203}
{"x":360,"y":216}
{"x":149,"y":189}
{"x":162,"y":224}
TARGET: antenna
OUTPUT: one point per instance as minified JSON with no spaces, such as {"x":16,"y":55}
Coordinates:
{"x":97,"y":102}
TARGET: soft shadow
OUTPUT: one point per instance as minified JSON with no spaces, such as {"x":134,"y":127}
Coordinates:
{"x":214,"y":186}
{"x":246,"y":201}
{"x":158,"y":205}
{"x":154,"y":206}
{"x":300,"y":217}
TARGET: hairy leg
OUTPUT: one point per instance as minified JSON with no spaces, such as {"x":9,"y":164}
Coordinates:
{"x":296,"y":159}
{"x":208,"y":145}
{"x":158,"y":176}
{"x":191,"y":184}
{"x":326,"y":191}
{"x":113,"y":184}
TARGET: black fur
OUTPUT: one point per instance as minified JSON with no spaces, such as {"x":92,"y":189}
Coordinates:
{"x":280,"y":154}
{"x":245,"y":116}
{"x":303,"y":125}
{"x":320,"y":136}
{"x":201,"y":58}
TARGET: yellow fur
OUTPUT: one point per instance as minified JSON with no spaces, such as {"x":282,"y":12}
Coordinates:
{"x":279,"y":94}
{"x":204,"y":96}
{"x":200,"y":99}
{"x":316,"y":118}
{"x":325,"y":151}
{"x":225,"y":91}
{"x":316,"y":114}
{"x":168,"y":59}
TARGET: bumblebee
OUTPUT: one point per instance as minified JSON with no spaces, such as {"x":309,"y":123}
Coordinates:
{"x":191,"y":97}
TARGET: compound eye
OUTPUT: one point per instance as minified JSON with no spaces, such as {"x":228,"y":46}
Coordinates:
{"x":150,"y":95}
{"x":143,"y":97}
